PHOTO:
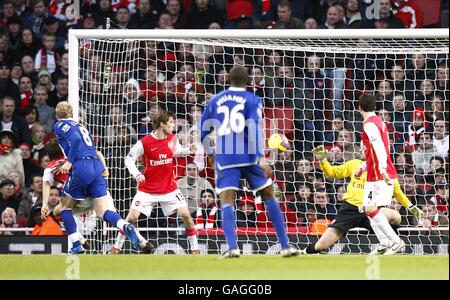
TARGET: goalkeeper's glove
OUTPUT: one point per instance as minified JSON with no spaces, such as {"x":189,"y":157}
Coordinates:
{"x":320,"y":152}
{"x":417,"y":212}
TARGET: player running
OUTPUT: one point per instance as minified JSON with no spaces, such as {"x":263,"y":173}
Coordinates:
{"x":350,"y":214}
{"x":158,"y":183}
{"x":85,"y":177}
{"x":235,"y":114}
{"x":381,"y":175}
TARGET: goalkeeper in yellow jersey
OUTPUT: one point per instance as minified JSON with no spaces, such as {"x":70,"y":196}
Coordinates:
{"x":350,"y":214}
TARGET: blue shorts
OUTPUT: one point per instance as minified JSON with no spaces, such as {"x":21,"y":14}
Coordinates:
{"x":230,"y":179}
{"x":85,"y":180}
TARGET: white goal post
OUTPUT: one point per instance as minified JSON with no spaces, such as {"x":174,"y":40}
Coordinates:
{"x":344,"y":63}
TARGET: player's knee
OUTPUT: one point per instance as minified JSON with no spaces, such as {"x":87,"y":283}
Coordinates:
{"x":396,"y":218}
{"x":369,"y":209}
{"x":266,"y":193}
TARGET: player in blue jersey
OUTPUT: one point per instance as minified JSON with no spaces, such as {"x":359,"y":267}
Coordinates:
{"x":235,"y":115}
{"x":85,"y":177}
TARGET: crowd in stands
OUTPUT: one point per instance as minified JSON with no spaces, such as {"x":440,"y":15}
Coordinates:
{"x":316,"y":90}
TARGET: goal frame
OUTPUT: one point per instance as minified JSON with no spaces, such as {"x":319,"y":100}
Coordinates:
{"x":76,"y":34}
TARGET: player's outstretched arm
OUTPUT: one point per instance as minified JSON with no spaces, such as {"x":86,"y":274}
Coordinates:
{"x":342,"y":171}
{"x":404,"y":201}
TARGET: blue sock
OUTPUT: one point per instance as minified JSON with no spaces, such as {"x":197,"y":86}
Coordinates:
{"x":229,"y":225}
{"x":70,"y":225}
{"x":275,"y":215}
{"x":112,"y":217}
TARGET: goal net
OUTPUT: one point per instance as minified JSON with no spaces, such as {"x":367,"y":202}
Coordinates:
{"x":309,"y":82}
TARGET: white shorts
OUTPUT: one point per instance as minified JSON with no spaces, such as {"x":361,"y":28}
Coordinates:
{"x":377,"y":193}
{"x":170,"y":202}
{"x":87,"y":205}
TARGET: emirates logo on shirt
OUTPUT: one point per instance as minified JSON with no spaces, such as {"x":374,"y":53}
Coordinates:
{"x":163,"y":160}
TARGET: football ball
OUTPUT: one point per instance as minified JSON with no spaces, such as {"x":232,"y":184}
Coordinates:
{"x":278,"y":141}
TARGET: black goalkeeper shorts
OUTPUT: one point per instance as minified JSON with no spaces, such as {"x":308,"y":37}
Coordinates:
{"x":349,"y":217}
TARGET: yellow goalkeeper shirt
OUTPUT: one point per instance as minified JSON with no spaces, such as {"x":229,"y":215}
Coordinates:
{"x":355,"y":189}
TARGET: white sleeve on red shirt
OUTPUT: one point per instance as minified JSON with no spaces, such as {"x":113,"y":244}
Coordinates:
{"x":377,"y":143}
{"x":130,"y":161}
{"x":180,"y":150}
{"x":48,"y":176}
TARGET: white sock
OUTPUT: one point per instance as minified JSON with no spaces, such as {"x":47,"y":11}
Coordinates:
{"x":380,"y":235}
{"x":121,"y":223}
{"x":120,"y":240}
{"x":74,"y":237}
{"x":193,"y":241}
{"x":384,"y":226}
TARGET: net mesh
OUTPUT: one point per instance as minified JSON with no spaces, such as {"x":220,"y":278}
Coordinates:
{"x":309,"y":88}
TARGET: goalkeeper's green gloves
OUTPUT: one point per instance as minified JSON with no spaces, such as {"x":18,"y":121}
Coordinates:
{"x":417,"y":212}
{"x":320,"y":152}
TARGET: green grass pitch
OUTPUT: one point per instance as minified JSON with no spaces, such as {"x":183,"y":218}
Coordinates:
{"x":209,"y":267}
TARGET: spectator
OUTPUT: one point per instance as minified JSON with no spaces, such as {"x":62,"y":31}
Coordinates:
{"x":46,"y":113}
{"x":7,"y":196}
{"x":386,"y":20}
{"x":285,"y":18}
{"x":28,"y":67}
{"x":39,"y":139}
{"x":28,"y":45}
{"x":346,"y":143}
{"x":284,"y":171}
{"x":122,"y":18}
{"x":176,"y":10}
{"x":442,"y":86}
{"x":435,"y":109}
{"x":53,"y":198}
{"x":258,"y":82}
{"x":207,"y":213}
{"x":7,"y":87}
{"x":246,"y":215}
{"x":103,"y":10}
{"x":19,"y":181}
{"x":145,"y":16}
{"x":26,"y":92}
{"x":409,"y":185}
{"x":192,"y":185}
{"x":384,"y":95}
{"x":332,"y":135}
{"x":440,"y":198}
{"x":116,"y":120}
{"x":9,"y":220}
{"x":415,"y":129}
{"x":334,"y":19}
{"x":32,"y":199}
{"x":409,"y":13}
{"x":165,"y":21}
{"x":43,"y":227}
{"x":311,"y":23}
{"x":400,"y":118}
{"x":203,"y":13}
{"x":16,"y":72}
{"x":29,"y":165}
{"x":441,"y":138}
{"x":417,"y":70}
{"x":425,"y":94}
{"x":397,"y":77}
{"x":322,"y":206}
{"x":431,"y":217}
{"x":60,"y":92}
{"x":436,"y":163}
{"x":88,"y":21}
{"x":7,"y":12}
{"x":46,"y":58}
{"x":403,"y":163}
{"x":421,"y":157}
{"x":13,"y":33}
{"x":352,"y":14}
{"x":10,"y":158}
{"x":35,"y":21}
{"x":31,"y":115}
{"x":53,"y":26}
